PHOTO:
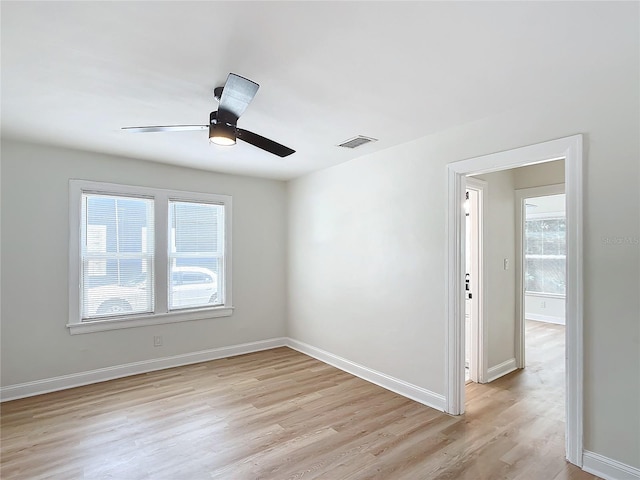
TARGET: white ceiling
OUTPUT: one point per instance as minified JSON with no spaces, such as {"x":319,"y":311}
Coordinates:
{"x":74,"y":73}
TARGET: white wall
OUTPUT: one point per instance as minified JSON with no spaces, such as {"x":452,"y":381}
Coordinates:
{"x":549,"y":173}
{"x":362,"y":270}
{"x":500,"y":284}
{"x":35,"y":342}
{"x":367,"y":249}
{"x":545,"y":308}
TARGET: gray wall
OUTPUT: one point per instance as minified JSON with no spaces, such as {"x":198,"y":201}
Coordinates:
{"x":368,"y":248}
{"x":35,"y":212}
{"x":549,"y":173}
{"x":500,"y":284}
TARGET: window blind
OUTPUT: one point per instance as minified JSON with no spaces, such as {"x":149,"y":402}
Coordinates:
{"x":196,"y":254}
{"x":117,"y":253}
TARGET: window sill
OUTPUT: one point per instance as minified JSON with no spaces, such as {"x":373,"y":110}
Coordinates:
{"x":145,"y":320}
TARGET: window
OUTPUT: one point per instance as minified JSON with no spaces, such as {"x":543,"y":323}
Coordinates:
{"x":143,"y":256}
{"x":116,"y":255}
{"x":196,"y":256}
{"x":545,"y":255}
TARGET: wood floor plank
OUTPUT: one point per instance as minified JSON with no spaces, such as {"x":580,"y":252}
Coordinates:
{"x":279,"y":414}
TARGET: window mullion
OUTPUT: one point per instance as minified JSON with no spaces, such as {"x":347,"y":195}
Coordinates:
{"x":162,"y":256}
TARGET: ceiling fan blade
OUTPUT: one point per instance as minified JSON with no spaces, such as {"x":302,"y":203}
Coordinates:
{"x":263,"y":143}
{"x":165,"y":128}
{"x":236,"y":96}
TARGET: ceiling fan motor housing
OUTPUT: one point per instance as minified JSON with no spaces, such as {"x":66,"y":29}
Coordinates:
{"x":221,"y":133}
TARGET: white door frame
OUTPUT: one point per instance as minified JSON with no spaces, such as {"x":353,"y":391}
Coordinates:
{"x":522,"y":195}
{"x":569,"y":149}
{"x":478,"y":355}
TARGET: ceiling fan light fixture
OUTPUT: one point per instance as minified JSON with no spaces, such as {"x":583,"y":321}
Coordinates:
{"x":222,"y":134}
{"x":233,"y":99}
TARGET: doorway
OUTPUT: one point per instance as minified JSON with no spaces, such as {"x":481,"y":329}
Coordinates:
{"x":473,"y":206}
{"x":540,"y":260}
{"x":569,"y":149}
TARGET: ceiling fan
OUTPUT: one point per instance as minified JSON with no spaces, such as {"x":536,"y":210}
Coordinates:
{"x":234,"y":98}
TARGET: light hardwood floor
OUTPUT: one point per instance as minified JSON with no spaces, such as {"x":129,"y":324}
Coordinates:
{"x":279,"y":414}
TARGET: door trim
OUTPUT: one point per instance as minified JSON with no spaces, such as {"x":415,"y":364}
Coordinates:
{"x":570,"y":149}
{"x":478,"y":365}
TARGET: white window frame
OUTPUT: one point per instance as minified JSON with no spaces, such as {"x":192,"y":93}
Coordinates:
{"x":161,"y":313}
{"x":544,"y":216}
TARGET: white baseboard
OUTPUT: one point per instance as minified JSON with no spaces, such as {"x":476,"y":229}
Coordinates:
{"x":500,"y":370}
{"x":545,"y":318}
{"x":607,"y":468}
{"x":38,"y":387}
{"x":419,"y":394}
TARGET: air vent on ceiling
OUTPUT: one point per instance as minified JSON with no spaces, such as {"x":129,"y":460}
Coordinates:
{"x":357,"y":141}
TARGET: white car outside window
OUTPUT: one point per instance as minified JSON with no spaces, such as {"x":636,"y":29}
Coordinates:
{"x":191,"y":287}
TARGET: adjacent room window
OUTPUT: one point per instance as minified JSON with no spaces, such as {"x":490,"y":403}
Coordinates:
{"x":141,"y":256}
{"x":545,"y":255}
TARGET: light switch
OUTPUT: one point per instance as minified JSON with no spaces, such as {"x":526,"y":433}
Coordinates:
{"x":506,"y":264}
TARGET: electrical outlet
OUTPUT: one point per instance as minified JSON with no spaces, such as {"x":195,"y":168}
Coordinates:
{"x":543,"y":304}
{"x":157,"y":340}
